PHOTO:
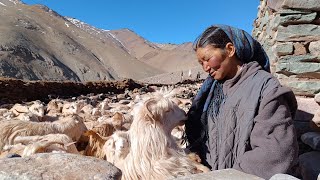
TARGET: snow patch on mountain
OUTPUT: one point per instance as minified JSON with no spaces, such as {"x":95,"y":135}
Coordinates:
{"x":100,"y":33}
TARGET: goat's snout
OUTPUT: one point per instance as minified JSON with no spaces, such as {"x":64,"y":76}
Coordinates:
{"x":120,"y":145}
{"x":185,"y":117}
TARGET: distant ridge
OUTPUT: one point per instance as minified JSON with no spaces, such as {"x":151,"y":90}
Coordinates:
{"x":37,"y":43}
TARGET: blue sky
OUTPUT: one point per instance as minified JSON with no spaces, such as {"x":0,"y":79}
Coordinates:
{"x":161,"y":21}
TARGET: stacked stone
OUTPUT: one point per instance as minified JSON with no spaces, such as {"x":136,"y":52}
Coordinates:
{"x":289,"y":31}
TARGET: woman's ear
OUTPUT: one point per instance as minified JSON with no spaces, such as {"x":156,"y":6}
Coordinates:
{"x":230,"y":49}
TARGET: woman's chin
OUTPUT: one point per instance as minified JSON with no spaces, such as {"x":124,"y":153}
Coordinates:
{"x":213,"y":74}
{"x":216,"y":76}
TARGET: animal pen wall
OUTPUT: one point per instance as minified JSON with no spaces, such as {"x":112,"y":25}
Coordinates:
{"x":289,"y":31}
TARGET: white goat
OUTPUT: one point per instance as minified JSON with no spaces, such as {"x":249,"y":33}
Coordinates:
{"x":73,"y":107}
{"x":103,"y":107}
{"x":12,"y":149}
{"x":153,"y":153}
{"x":34,"y":111}
{"x":117,"y":147}
{"x":54,"y":107}
{"x":37,"y":108}
{"x":46,"y":143}
{"x":72,"y":126}
{"x":5,"y":114}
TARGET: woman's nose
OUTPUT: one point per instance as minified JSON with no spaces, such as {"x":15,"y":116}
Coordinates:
{"x":205,"y":67}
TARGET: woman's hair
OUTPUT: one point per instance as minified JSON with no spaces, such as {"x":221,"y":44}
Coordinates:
{"x":214,"y":36}
{"x":247,"y":48}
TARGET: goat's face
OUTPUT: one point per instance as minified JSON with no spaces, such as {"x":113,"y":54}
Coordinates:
{"x":116,"y":145}
{"x":161,"y":111}
{"x":54,"y":106}
{"x":37,"y":109}
{"x":174,"y":117}
{"x":109,"y":144}
{"x":121,"y":145}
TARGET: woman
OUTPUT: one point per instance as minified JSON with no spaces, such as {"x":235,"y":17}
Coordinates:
{"x":241,"y":117}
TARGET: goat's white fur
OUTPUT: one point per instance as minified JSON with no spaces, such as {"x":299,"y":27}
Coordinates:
{"x":153,"y":153}
{"x":72,"y":126}
{"x":46,"y":143}
{"x":117,"y":148}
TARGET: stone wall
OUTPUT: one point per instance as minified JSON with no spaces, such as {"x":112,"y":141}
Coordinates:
{"x":289,"y":31}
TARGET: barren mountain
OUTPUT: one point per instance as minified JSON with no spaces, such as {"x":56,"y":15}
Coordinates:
{"x":136,"y":45}
{"x":37,"y":43}
{"x":167,"y":57}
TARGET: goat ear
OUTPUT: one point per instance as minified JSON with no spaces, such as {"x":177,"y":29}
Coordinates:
{"x":149,"y":105}
{"x":165,"y":90}
{"x":162,"y":90}
{"x":171,"y":93}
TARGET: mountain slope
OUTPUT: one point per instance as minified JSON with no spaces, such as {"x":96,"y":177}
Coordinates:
{"x":37,"y":43}
{"x":167,"y":57}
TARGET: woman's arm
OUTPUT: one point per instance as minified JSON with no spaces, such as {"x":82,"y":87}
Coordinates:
{"x":273,"y":138}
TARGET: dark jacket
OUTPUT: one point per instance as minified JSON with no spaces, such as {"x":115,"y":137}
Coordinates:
{"x":254,"y":131}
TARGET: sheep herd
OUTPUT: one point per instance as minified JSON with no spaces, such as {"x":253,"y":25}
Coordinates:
{"x":140,"y":133}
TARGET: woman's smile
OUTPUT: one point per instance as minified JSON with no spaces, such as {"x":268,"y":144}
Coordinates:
{"x":212,"y":72}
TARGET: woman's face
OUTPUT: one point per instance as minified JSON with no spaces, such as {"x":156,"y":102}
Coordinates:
{"x":217,"y":63}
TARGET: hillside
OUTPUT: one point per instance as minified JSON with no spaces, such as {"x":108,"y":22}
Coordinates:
{"x":167,"y":57}
{"x":36,"y":43}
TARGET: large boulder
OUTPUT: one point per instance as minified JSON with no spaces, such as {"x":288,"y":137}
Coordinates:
{"x":57,"y":166}
{"x":230,"y":174}
{"x":283,"y":177}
